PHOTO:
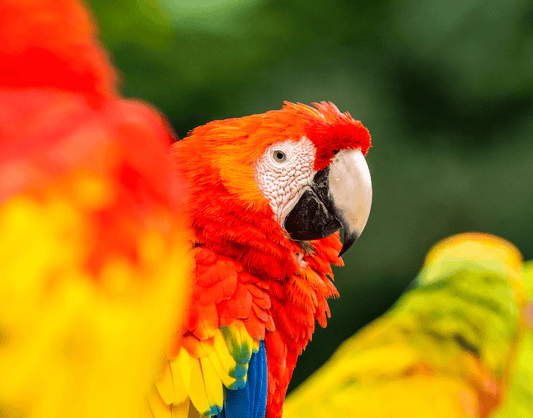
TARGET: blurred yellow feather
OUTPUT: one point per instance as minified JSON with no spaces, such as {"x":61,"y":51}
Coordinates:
{"x":68,"y":339}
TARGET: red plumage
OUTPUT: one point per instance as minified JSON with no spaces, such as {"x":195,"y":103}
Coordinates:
{"x":49,"y":44}
{"x":247,"y":266}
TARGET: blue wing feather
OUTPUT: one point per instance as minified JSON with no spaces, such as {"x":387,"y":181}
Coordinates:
{"x":262,"y":384}
{"x":250,"y":401}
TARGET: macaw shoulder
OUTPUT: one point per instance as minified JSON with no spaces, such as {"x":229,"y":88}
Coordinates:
{"x":223,"y":295}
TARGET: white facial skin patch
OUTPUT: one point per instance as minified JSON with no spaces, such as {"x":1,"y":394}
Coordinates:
{"x":282,"y":171}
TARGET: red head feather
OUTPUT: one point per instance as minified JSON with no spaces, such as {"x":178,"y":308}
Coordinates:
{"x":329,"y":130}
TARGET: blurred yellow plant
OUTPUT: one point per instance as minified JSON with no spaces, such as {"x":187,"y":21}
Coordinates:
{"x":518,"y":401}
{"x":444,"y":349}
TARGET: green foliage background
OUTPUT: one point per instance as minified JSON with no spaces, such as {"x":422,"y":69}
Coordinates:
{"x":444,"y":86}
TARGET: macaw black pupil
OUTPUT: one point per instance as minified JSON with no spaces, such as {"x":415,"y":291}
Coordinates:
{"x":279,"y":156}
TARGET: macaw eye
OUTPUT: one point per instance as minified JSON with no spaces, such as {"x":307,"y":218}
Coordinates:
{"x":279,"y":156}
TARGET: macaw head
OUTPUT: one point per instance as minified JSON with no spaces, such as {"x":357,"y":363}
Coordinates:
{"x":289,"y":176}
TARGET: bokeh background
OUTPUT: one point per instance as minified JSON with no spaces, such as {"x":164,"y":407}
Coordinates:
{"x":444,"y":86}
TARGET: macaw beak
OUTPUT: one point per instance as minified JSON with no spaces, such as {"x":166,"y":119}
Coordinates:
{"x":340,"y":196}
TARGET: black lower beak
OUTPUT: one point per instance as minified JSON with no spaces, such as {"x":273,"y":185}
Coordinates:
{"x":339,"y":197}
{"x":313,"y":216}
{"x":310,"y":218}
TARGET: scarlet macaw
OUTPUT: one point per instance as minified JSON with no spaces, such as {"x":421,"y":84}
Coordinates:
{"x":446,"y":349}
{"x":268,"y":194}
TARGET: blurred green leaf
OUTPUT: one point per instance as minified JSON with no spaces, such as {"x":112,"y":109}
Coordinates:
{"x":519,"y":399}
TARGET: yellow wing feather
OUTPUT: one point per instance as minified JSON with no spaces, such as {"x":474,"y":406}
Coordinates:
{"x":183,"y":410}
{"x":226,"y":360}
{"x":202,"y":379}
{"x":197,"y":391}
{"x":226,"y":379}
{"x":213,"y":386}
{"x":180,"y":369}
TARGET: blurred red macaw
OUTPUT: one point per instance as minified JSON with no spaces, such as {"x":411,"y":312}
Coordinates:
{"x":268,"y":193}
{"x":95,"y":255}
